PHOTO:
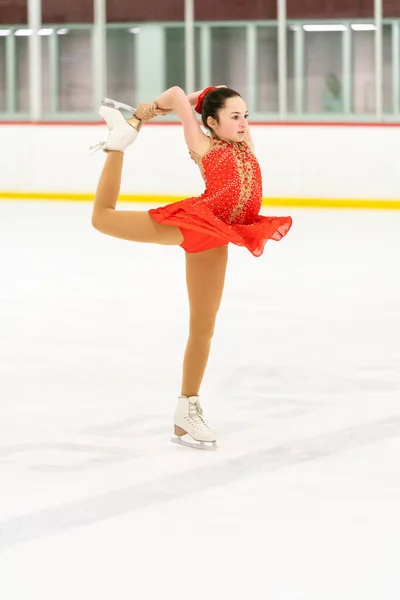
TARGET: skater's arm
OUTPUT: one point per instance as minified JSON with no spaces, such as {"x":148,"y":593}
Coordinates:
{"x":193,"y":98}
{"x":176,"y":99}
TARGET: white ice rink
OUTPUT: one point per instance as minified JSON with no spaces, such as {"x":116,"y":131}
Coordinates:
{"x":302,"y":499}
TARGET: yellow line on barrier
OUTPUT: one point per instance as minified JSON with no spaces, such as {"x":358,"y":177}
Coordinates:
{"x":279,"y":202}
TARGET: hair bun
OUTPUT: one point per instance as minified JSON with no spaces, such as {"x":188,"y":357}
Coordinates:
{"x":199,"y":106}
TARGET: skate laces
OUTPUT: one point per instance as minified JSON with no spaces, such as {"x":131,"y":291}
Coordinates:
{"x":196,"y":414}
{"x":95,"y":147}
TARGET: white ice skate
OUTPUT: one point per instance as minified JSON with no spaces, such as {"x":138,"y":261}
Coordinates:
{"x":188,"y":420}
{"x":122,"y":133}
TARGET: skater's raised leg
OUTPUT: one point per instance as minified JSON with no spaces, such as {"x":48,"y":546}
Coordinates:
{"x":136,"y":226}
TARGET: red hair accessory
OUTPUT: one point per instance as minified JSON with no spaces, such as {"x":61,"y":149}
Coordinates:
{"x":199,"y":105}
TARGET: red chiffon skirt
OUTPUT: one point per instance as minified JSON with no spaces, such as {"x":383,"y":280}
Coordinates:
{"x":203,"y":230}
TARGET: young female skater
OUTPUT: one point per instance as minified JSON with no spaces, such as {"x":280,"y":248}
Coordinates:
{"x":228,"y":211}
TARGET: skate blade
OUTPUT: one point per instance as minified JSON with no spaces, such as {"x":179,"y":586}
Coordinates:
{"x":197,"y":445}
{"x":117,"y":105}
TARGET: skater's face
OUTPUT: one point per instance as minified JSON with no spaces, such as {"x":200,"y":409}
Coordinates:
{"x":232,"y":121}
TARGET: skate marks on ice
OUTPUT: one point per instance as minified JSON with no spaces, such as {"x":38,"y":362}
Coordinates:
{"x":246,"y":389}
{"x":274,"y":392}
{"x":303,"y":389}
{"x":100,"y":456}
{"x":83,"y":512}
{"x":136,"y":436}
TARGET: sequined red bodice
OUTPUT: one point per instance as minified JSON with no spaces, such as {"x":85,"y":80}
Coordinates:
{"x":233,"y":181}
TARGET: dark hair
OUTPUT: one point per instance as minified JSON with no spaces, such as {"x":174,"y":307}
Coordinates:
{"x":214,"y":101}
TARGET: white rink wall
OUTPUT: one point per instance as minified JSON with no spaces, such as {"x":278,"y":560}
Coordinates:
{"x":298,"y":161}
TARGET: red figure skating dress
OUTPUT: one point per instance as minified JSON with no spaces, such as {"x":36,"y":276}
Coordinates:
{"x":228,"y":210}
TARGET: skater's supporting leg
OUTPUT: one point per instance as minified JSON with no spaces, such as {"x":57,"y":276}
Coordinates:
{"x":205,"y":276}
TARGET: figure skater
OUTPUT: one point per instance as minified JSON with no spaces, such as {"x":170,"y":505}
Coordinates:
{"x":227,"y":212}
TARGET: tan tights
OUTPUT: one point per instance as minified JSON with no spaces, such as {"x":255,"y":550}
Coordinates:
{"x":205,"y":271}
{"x":205,"y":277}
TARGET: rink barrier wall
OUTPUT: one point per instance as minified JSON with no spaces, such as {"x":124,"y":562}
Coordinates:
{"x":325,"y":165}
